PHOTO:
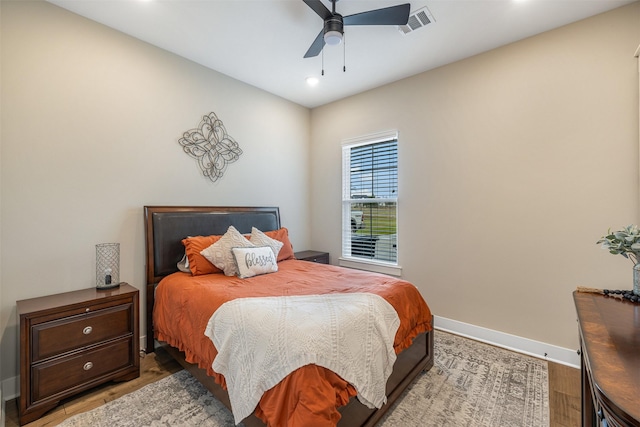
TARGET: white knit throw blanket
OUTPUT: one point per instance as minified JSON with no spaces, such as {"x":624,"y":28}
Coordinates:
{"x":262,"y":340}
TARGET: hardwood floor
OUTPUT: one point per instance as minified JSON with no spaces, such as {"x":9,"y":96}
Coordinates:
{"x":564,"y":394}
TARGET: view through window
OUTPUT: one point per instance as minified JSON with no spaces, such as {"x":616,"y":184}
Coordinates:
{"x":370,"y":200}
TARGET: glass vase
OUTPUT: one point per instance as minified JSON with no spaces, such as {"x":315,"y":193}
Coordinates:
{"x":636,"y":279}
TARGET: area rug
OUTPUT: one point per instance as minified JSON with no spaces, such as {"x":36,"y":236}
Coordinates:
{"x":471,"y":384}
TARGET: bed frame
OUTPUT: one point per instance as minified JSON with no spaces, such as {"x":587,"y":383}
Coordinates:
{"x":166,"y":226}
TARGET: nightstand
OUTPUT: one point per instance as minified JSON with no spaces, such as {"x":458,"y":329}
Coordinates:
{"x":74,"y":341}
{"x":313,"y":256}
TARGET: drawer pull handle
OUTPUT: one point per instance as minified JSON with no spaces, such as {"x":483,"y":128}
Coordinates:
{"x":87,"y":366}
{"x":87,"y":330}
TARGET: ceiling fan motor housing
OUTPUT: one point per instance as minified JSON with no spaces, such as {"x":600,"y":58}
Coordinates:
{"x":334,"y":23}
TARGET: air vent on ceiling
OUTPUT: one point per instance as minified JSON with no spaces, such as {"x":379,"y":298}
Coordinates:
{"x":418,"y":19}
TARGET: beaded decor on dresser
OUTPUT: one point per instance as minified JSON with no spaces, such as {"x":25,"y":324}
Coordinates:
{"x":472,"y":384}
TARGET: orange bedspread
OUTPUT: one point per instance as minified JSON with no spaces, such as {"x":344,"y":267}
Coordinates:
{"x":311,"y":394}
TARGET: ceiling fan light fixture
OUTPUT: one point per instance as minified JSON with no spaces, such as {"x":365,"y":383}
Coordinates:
{"x":333,"y":37}
{"x":333,"y":29}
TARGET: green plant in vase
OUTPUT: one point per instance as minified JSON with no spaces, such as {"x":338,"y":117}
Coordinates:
{"x":625,"y":242}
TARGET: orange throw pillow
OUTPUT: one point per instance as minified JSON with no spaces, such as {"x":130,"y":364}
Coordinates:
{"x":197,"y":263}
{"x":287,"y":248}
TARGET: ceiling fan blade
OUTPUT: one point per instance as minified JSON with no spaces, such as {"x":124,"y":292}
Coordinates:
{"x":318,"y":8}
{"x":394,"y":15}
{"x":316,"y":46}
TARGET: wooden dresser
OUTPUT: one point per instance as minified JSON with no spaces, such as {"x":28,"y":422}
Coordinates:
{"x":610,"y":360}
{"x":73,"y":341}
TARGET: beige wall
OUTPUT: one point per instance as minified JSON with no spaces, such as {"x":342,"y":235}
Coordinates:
{"x":90,"y":126}
{"x":512,"y":164}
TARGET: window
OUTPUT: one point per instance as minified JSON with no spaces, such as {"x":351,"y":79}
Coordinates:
{"x":370,"y":200}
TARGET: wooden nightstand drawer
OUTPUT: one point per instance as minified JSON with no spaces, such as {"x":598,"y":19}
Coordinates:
{"x":73,"y":341}
{"x":60,"y":375}
{"x":70,"y":333}
{"x":313,"y":256}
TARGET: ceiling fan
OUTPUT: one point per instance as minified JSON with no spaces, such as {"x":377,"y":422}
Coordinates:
{"x":334,"y":23}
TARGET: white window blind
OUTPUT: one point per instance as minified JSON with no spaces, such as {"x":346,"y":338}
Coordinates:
{"x":370,"y":199}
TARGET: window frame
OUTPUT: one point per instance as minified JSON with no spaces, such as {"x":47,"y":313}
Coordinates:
{"x":345,"y":259}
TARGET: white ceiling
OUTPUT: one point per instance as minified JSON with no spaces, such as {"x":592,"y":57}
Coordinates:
{"x":262,"y":42}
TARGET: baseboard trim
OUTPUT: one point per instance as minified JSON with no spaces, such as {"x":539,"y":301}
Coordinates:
{"x":10,"y":388}
{"x":143,"y":343}
{"x":515,"y":343}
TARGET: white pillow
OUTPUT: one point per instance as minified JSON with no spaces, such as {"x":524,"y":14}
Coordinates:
{"x":219,"y":254}
{"x":254,"y":261}
{"x":258,"y":238}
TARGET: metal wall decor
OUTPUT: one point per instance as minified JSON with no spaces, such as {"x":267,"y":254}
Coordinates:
{"x":210,"y":145}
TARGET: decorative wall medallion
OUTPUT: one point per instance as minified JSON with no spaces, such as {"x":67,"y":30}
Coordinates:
{"x":210,"y":145}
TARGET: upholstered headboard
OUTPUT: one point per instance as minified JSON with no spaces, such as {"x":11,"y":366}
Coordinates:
{"x":166,"y":226}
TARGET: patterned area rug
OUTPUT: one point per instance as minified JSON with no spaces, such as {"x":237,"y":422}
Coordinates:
{"x":471,"y":384}
{"x":474,"y":384}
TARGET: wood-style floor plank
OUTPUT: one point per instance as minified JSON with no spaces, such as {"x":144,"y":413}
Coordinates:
{"x":564,"y":394}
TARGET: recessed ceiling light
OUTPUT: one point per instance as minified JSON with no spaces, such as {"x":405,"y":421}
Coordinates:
{"x":312,"y":81}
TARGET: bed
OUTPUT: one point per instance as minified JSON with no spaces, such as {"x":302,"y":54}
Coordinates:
{"x":165,"y":229}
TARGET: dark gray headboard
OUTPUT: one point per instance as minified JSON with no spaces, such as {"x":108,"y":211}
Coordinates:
{"x":166,"y":226}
